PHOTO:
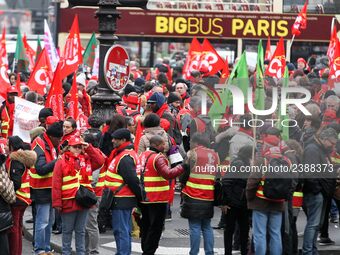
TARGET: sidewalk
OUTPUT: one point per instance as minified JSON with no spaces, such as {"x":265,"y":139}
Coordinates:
{"x":175,"y":238}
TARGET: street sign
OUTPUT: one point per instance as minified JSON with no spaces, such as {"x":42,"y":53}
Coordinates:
{"x":116,"y":67}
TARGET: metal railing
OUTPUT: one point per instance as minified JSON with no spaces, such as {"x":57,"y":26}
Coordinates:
{"x":212,"y":5}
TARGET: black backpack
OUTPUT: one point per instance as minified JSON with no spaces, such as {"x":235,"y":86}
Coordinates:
{"x":277,"y":183}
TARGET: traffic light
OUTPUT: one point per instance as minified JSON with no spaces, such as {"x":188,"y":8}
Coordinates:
{"x":123,"y":3}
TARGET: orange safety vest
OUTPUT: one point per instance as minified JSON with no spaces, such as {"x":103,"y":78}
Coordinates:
{"x":200,"y":184}
{"x":5,"y":123}
{"x":156,"y":187}
{"x":41,"y":181}
{"x":259,"y":193}
{"x":71,"y":184}
{"x":24,"y":192}
{"x":113,"y":180}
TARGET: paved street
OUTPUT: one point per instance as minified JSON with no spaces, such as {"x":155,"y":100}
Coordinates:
{"x":175,"y":238}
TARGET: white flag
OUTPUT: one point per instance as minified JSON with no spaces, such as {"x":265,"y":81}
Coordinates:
{"x":50,"y":47}
{"x":95,"y":70}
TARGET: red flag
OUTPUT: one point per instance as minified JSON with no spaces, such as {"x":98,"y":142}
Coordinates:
{"x":3,"y":51}
{"x":42,"y":74}
{"x":73,"y":110}
{"x":72,"y":52}
{"x":55,"y":96}
{"x":18,"y":85}
{"x":277,"y":65}
{"x":192,"y":62}
{"x":225,"y":72}
{"x":29,"y":52}
{"x":4,"y":81}
{"x":334,"y":72}
{"x":210,"y":60}
{"x":332,"y":44}
{"x":300,"y":21}
{"x":268,"y":54}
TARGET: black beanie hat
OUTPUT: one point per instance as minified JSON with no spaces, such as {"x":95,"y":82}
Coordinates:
{"x":15,"y":142}
{"x":173,"y":97}
{"x":128,"y":89}
{"x":122,"y":133}
{"x":55,"y":130}
{"x":45,"y":112}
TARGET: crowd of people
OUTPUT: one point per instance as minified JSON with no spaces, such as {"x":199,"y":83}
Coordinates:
{"x":78,"y":173}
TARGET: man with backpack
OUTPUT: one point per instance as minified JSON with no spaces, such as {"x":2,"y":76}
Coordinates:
{"x":317,"y":189}
{"x":266,"y":196}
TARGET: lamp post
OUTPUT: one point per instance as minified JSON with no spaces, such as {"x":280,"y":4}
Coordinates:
{"x":103,"y":101}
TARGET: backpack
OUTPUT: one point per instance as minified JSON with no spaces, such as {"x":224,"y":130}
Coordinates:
{"x":277,"y":184}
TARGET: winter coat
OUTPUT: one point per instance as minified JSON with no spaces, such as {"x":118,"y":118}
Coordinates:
{"x":234,"y":189}
{"x":197,"y":209}
{"x":105,"y":144}
{"x":42,"y":196}
{"x":127,"y":170}
{"x":20,"y":160}
{"x":5,"y":213}
{"x":316,"y":154}
{"x":144,"y":142}
{"x":94,"y":157}
{"x":256,"y":203}
{"x":239,"y":140}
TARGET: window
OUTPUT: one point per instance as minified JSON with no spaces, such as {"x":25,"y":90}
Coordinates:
{"x":314,"y":6}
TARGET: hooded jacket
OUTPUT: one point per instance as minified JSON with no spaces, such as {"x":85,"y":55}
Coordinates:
{"x":144,"y":142}
{"x":19,"y":161}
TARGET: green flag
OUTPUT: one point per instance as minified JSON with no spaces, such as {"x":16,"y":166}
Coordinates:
{"x":90,"y":52}
{"x":283,"y":115}
{"x":20,"y":56}
{"x":259,"y":90}
{"x":39,"y":49}
{"x":239,"y":78}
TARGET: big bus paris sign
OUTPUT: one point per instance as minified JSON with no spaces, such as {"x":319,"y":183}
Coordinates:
{"x":116,"y":67}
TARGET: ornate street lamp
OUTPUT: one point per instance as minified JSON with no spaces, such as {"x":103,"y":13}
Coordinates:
{"x":103,"y":102}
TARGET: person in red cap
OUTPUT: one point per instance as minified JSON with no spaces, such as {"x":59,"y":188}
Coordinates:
{"x":7,"y":112}
{"x":72,"y":170}
{"x":301,"y":64}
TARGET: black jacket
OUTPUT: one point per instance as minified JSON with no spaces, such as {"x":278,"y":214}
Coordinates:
{"x":42,"y":196}
{"x":234,"y":189}
{"x":105,"y":144}
{"x":127,"y":169}
{"x":197,"y":209}
{"x":316,"y":154}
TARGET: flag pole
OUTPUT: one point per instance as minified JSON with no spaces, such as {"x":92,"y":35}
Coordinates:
{"x":13,"y":65}
{"x":289,"y":48}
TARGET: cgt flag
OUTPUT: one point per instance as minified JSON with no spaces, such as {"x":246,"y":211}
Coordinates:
{"x":55,"y":98}
{"x":72,"y":52}
{"x":210,"y":61}
{"x":300,"y":21}
{"x":41,"y":75}
{"x":73,"y":110}
{"x":192,"y":62}
{"x":277,"y":65}
{"x":30,"y":53}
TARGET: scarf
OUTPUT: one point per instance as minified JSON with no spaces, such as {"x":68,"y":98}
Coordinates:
{"x":76,"y":164}
{"x":50,"y":145}
{"x":116,"y":151}
{"x":161,"y":110}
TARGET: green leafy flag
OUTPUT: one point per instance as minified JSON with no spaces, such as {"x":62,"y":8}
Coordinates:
{"x":20,"y":56}
{"x":259,"y":89}
{"x":239,"y":78}
{"x":39,"y":49}
{"x":90,"y":52}
{"x":283,"y":115}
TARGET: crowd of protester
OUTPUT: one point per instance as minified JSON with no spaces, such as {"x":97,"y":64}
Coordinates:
{"x":157,"y":139}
